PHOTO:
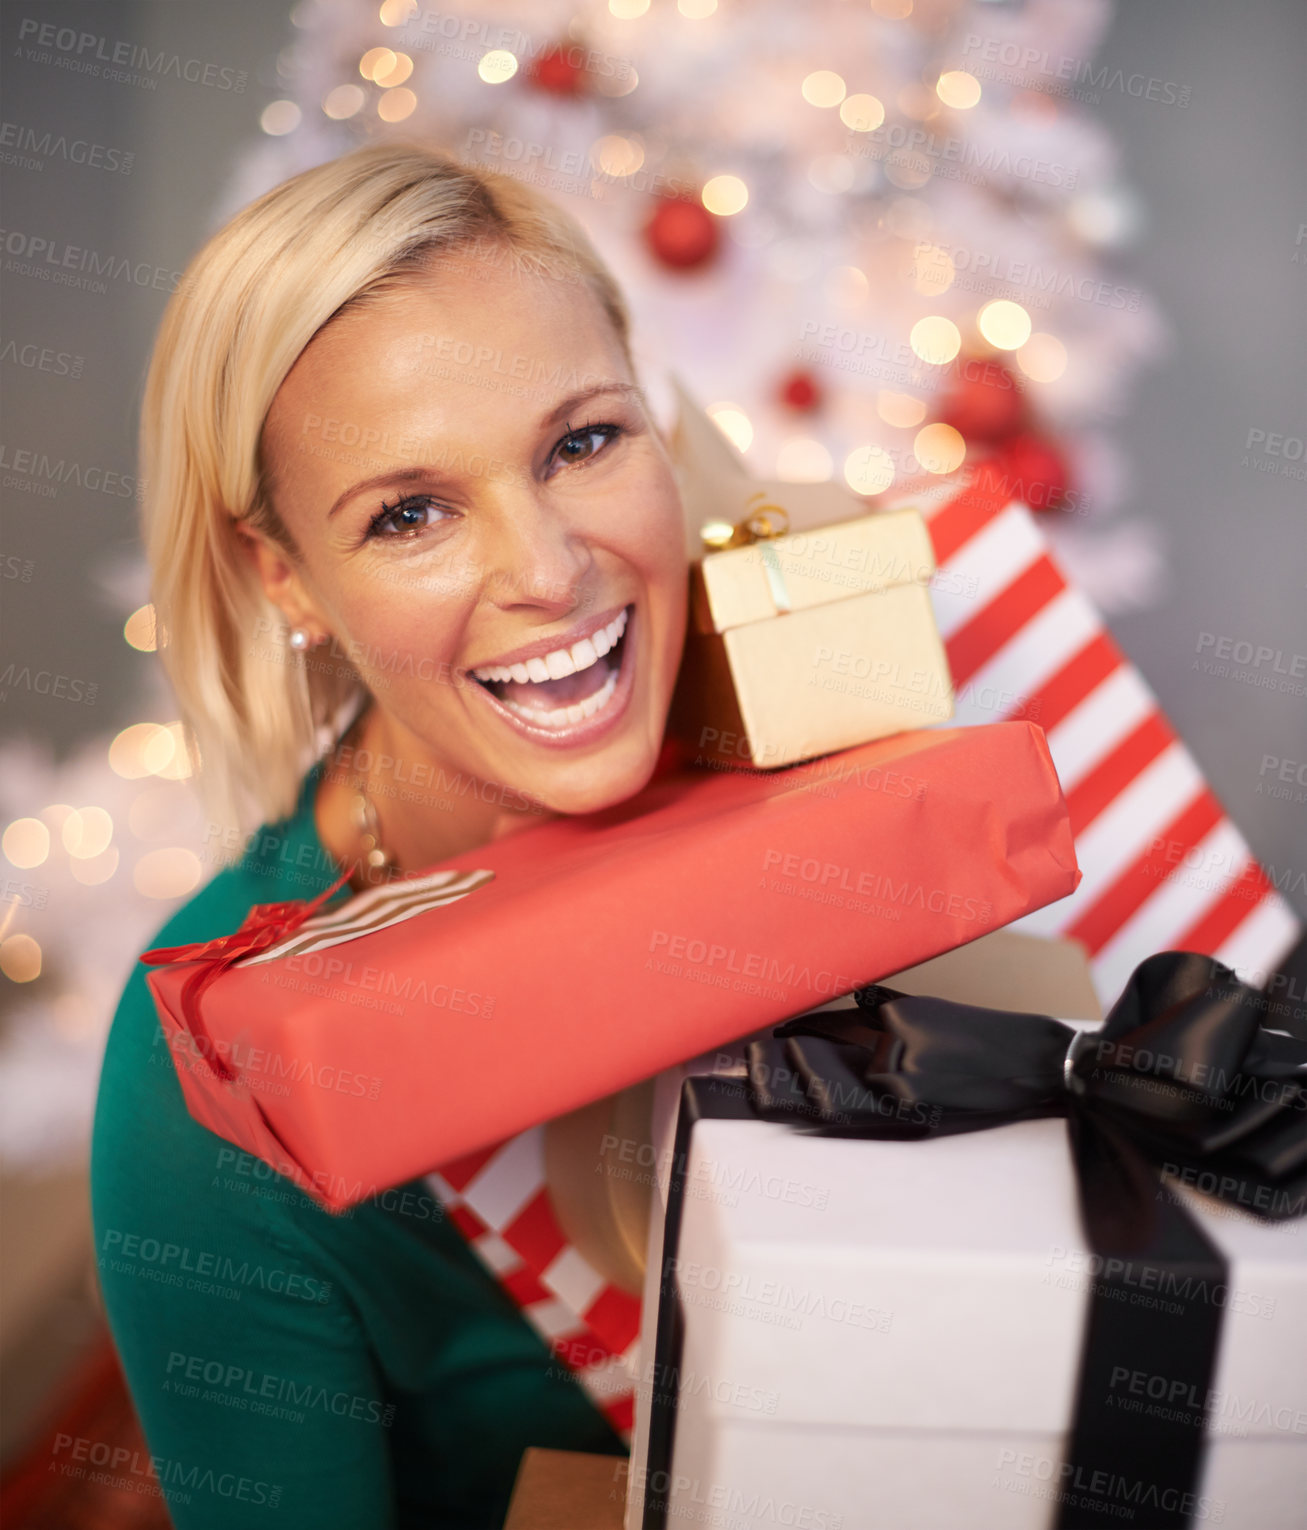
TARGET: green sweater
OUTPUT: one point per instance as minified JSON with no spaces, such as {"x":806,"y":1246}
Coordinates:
{"x":290,"y":1367}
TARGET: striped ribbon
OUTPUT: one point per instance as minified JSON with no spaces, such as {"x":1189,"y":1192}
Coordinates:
{"x":387,"y":904}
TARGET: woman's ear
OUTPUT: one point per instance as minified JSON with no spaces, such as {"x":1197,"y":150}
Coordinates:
{"x":282,"y":581}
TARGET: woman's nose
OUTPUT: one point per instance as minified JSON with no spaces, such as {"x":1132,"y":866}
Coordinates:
{"x":539,"y":556}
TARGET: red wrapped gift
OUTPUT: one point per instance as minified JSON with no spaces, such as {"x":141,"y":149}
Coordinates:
{"x":356,"y":1046}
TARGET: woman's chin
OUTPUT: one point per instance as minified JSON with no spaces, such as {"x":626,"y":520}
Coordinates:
{"x":594,"y":785}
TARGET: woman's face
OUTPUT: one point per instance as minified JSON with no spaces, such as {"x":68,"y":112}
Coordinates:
{"x":489,"y":529}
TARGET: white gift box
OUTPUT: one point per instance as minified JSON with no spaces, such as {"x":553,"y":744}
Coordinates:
{"x":889,"y":1334}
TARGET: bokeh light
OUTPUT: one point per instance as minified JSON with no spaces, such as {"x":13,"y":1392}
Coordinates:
{"x":398,"y":72}
{"x":280,"y":118}
{"x":823,"y":87}
{"x":939,"y":448}
{"x":395,"y":105}
{"x":139,"y":750}
{"x":20,"y":958}
{"x":900,"y":409}
{"x":1004,"y":324}
{"x":139,"y":629}
{"x":343,"y":102}
{"x":617,"y":155}
{"x":26,"y":843}
{"x":958,"y":89}
{"x":1042,"y":358}
{"x":935,"y":340}
{"x":497,"y":66}
{"x":151,"y":749}
{"x":167,"y":754}
{"x":86,"y":832}
{"x":725,"y":195}
{"x":869,"y":470}
{"x":733,"y":423}
{"x":168,"y":873}
{"x":376,"y":60}
{"x":862,"y":113}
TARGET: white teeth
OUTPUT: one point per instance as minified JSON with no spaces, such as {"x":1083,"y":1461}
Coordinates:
{"x":561,"y":661}
{"x":583,"y":654}
{"x":562,"y":717}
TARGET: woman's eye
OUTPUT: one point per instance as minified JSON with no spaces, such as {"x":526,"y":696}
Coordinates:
{"x":405,"y":518}
{"x":579,"y":445}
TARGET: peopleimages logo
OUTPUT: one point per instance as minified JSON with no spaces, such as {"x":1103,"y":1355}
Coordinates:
{"x":1169,"y":1396}
{"x":94,"y":54}
{"x":238,"y":1386}
{"x":24,"y":141}
{"x":1107,"y":1492}
{"x":72,"y":265}
{"x":177,"y":1479}
{"x":830,"y":874}
{"x":696,"y":952}
{"x":201,"y":1270}
{"x":698,"y":1499}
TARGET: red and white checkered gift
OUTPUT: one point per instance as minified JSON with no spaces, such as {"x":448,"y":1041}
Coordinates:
{"x":1022,"y":643}
{"x":497,"y":1199}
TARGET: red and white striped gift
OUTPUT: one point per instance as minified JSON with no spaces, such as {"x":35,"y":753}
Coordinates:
{"x":1163,"y":868}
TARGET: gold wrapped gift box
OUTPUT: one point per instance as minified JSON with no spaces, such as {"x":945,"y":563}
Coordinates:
{"x":811,"y":627}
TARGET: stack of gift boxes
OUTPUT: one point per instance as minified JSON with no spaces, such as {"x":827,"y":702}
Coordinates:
{"x":806,"y":846}
{"x":849,"y":1333}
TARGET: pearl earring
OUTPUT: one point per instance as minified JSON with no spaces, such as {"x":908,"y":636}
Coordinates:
{"x":299,"y":638}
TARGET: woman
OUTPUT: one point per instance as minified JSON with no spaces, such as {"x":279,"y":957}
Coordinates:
{"x":409,"y":521}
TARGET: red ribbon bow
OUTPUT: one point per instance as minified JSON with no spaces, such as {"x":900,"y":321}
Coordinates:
{"x":263,"y":926}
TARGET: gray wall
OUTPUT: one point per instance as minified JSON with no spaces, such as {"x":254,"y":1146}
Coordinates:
{"x":1225,"y":251}
{"x":1220,"y":180}
{"x":62,"y":618}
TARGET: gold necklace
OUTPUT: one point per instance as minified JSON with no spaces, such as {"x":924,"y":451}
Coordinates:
{"x":377,"y":863}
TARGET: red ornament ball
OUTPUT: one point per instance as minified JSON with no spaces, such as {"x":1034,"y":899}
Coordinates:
{"x":559,"y":70}
{"x":1036,"y":472}
{"x":987,"y":403}
{"x":681,"y":233}
{"x":800,"y":391}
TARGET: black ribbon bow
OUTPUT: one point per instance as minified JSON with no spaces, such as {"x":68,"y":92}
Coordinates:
{"x":1183,"y":1079}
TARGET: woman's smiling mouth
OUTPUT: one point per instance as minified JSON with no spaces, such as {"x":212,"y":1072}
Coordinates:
{"x":569,"y":693}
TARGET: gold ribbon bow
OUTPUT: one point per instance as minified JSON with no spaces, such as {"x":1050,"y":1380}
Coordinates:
{"x":763,"y":523}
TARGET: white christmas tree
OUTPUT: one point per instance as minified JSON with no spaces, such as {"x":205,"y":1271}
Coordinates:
{"x":872,"y":237}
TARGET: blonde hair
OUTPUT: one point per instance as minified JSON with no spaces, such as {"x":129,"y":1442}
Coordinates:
{"x":247,"y":306}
